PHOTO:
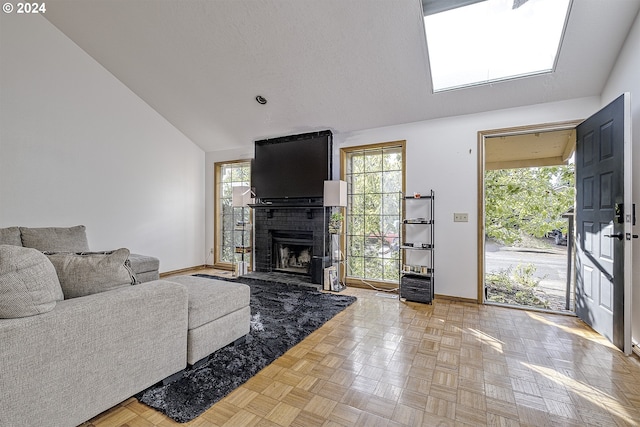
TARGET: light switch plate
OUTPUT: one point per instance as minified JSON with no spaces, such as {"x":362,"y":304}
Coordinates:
{"x":460,"y":217}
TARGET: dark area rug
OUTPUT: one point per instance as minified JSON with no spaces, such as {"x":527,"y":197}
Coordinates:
{"x":281,"y":317}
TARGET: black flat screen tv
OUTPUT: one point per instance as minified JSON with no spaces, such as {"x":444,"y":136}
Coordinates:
{"x":292,"y":167}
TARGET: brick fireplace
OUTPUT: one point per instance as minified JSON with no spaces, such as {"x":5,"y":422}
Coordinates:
{"x":289,"y":238}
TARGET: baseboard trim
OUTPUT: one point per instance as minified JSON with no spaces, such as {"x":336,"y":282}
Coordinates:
{"x":393,"y":288}
{"x":183,"y":270}
{"x":456,"y":299}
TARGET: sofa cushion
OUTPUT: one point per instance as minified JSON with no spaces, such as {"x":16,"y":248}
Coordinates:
{"x":28,"y":283}
{"x":10,"y":236}
{"x":59,"y":239}
{"x":87,"y":273}
{"x":143,"y":263}
{"x":211,"y":299}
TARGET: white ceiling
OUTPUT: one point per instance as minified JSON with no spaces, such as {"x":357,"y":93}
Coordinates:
{"x":322,"y":64}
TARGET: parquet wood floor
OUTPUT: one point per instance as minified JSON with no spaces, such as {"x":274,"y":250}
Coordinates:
{"x":386,"y":363}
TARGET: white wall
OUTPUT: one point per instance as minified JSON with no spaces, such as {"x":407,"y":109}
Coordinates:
{"x":442,"y":155}
{"x":78,"y":147}
{"x":624,"y":78}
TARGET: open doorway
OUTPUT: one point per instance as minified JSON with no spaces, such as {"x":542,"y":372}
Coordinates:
{"x":525,"y":221}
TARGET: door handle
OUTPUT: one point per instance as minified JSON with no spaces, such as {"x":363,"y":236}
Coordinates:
{"x":618,"y":236}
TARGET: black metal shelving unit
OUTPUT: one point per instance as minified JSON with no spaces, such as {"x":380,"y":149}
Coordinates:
{"x":417,"y":242}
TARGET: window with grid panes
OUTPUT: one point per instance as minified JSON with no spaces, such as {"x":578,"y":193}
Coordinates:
{"x":375,"y":180}
{"x":229,"y":175}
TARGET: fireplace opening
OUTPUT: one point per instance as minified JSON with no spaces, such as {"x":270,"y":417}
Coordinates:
{"x":292,"y":252}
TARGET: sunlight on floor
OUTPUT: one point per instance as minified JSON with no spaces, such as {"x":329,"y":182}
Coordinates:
{"x":488,"y":339}
{"x":581,"y":332}
{"x":591,"y":394}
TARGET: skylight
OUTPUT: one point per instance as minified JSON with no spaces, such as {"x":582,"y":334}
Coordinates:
{"x":494,"y":40}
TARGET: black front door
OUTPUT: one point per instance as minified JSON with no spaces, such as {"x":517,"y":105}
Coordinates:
{"x":600,"y":221}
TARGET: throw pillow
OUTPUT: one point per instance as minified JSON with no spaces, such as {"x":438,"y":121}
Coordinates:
{"x":87,"y":273}
{"x":10,"y":236}
{"x":28,"y":283}
{"x":59,"y":239}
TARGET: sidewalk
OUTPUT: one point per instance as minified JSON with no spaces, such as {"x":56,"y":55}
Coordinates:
{"x":551,"y":268}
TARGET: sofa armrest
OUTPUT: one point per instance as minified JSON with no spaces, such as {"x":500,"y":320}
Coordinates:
{"x":145,"y":268}
{"x":90,"y":353}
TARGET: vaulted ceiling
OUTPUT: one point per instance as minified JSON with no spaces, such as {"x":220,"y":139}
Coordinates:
{"x":323,"y":64}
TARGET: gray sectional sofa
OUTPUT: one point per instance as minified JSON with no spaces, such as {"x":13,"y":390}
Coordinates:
{"x":72,"y":239}
{"x":78,"y":334}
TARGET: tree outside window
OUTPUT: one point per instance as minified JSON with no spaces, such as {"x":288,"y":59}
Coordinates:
{"x":527,"y":201}
{"x":374,"y":178}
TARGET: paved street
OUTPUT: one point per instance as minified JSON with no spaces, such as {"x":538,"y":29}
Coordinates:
{"x":550,"y":262}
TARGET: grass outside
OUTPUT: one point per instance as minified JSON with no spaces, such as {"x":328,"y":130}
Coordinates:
{"x":516,"y":286}
{"x":531,"y":273}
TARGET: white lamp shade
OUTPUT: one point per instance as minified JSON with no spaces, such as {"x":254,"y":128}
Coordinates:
{"x":241,"y":196}
{"x":335,"y":193}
